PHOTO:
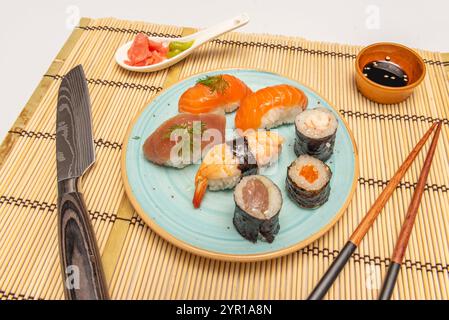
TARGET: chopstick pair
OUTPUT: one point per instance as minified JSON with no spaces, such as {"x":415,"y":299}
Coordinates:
{"x":404,"y":235}
{"x":398,"y":254}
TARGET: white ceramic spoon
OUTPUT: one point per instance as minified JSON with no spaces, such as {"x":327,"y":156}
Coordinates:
{"x":199,"y":38}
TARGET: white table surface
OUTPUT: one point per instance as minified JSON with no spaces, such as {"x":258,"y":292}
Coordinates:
{"x":32,"y":32}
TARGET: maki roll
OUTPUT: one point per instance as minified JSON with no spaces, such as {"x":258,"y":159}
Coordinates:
{"x":315,"y":133}
{"x":308,"y":181}
{"x":258,"y":202}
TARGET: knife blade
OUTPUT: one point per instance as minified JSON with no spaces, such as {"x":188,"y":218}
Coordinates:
{"x":75,"y":153}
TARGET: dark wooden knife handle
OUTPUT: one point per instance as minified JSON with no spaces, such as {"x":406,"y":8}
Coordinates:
{"x":82,"y":271}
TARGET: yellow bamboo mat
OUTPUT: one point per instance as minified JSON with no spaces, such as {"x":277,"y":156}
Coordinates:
{"x":138,"y":263}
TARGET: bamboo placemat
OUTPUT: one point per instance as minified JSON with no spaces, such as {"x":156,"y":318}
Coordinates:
{"x":138,"y":263}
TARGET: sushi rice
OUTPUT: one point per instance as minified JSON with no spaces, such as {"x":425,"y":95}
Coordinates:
{"x":279,"y":116}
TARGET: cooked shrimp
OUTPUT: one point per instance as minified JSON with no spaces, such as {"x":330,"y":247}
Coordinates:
{"x":219,"y":170}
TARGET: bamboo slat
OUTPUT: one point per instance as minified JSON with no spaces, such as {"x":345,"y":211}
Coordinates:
{"x":138,"y":263}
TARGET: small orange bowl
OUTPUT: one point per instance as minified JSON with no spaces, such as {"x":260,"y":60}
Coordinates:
{"x":406,"y":58}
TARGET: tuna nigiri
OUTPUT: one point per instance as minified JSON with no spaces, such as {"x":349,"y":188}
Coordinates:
{"x":214,"y":93}
{"x":270,"y":107}
{"x":174,"y":142}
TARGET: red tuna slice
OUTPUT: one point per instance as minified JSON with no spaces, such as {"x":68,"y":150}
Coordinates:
{"x":139,"y":50}
{"x":158,"y":146}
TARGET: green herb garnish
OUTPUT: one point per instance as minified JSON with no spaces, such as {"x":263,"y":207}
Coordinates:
{"x":215,"y":83}
{"x":189,"y":127}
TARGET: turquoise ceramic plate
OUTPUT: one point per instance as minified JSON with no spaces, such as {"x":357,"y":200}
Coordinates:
{"x":163,"y":196}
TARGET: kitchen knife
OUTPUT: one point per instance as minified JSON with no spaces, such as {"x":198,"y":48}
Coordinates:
{"x":80,"y":258}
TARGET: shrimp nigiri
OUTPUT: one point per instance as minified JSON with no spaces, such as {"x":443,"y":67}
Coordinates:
{"x":270,"y":107}
{"x":225,"y":164}
{"x":214,"y":93}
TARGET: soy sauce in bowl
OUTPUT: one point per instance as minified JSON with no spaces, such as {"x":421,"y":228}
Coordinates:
{"x":386,"y":73}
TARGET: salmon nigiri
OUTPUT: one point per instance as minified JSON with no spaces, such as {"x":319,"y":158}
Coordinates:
{"x":270,"y":107}
{"x":214,"y":93}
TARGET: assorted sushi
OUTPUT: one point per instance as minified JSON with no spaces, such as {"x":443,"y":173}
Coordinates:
{"x":220,"y":93}
{"x":315,"y":133}
{"x":307,"y":181}
{"x":163,"y":146}
{"x":258,"y":202}
{"x":236,"y":163}
{"x":270,"y":107}
{"x":225,"y":164}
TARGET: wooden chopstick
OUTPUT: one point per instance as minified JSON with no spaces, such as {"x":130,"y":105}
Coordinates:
{"x":412,"y":211}
{"x":337,"y":265}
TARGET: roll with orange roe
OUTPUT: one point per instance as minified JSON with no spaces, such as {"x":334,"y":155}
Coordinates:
{"x":308,"y":181}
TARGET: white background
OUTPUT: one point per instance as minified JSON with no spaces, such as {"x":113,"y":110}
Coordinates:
{"x":32,"y":32}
